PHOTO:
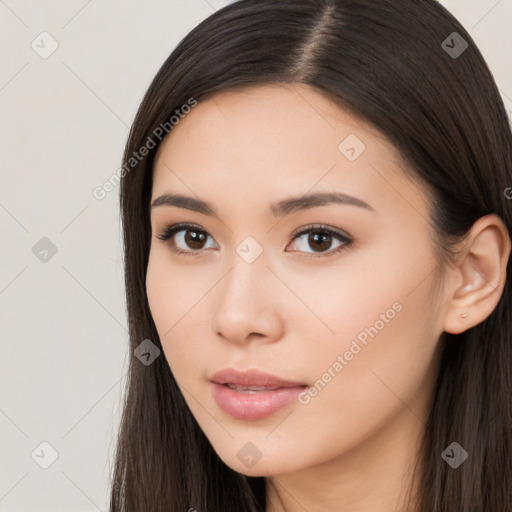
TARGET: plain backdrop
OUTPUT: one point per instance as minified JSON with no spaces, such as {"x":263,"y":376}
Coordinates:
{"x":72,"y":75}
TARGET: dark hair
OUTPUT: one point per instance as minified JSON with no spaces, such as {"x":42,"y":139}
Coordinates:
{"x":387,"y":62}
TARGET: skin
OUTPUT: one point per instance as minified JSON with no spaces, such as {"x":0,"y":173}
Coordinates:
{"x":355,"y":443}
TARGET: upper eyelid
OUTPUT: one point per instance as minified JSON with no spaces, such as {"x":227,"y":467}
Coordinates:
{"x":320,"y":227}
{"x":340,"y":234}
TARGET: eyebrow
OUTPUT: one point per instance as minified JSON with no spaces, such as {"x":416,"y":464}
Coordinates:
{"x":279,"y":209}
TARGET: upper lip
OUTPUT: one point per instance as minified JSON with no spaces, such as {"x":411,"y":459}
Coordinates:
{"x":252,"y":377}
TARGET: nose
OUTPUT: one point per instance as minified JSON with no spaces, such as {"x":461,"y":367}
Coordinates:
{"x":248,"y":303}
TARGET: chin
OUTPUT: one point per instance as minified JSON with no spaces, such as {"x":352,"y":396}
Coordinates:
{"x":265,"y":468}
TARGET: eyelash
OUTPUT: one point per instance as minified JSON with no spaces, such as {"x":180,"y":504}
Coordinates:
{"x":315,"y":228}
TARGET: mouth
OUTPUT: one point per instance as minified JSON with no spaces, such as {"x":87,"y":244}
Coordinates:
{"x":249,"y":389}
{"x":252,"y":380}
{"x":253,"y":395}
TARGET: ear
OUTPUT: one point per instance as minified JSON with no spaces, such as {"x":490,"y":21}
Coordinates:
{"x":479,"y":275}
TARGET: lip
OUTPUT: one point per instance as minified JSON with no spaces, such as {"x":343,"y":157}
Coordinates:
{"x":252,"y":377}
{"x":245,"y":405}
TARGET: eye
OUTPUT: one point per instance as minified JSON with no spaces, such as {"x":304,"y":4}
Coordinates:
{"x":191,"y":239}
{"x":321,"y":237}
{"x":189,"y":235}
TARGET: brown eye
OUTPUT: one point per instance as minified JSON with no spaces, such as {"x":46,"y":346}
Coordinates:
{"x":188,"y":239}
{"x":185,"y":238}
{"x":320,"y":239}
{"x":194,"y":239}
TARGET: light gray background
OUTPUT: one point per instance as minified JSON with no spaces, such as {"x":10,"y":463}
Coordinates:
{"x":64,"y":121}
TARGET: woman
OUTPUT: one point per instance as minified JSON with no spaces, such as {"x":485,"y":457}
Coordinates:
{"x":317,"y":251}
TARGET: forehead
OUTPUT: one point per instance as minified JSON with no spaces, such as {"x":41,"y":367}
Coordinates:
{"x":285,"y":139}
{"x":267,"y":117}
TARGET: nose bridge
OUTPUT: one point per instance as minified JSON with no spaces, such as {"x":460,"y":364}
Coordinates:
{"x":248,"y":273}
{"x":245,"y":304}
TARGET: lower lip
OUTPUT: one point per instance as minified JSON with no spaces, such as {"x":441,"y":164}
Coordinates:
{"x":253,"y":406}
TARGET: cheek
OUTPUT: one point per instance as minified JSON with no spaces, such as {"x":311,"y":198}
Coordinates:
{"x":381,"y":360}
{"x":175,"y":298}
{"x":157,"y":290}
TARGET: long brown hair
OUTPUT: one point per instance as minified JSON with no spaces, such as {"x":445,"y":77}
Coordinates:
{"x":410,"y":69}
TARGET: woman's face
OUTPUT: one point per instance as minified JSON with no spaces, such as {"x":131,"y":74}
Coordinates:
{"x":354,"y":315}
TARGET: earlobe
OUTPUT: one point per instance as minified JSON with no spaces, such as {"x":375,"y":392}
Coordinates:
{"x":480,"y":275}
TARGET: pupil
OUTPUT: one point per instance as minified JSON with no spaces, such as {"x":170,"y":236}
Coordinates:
{"x":325,"y":239}
{"x":193,"y":239}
